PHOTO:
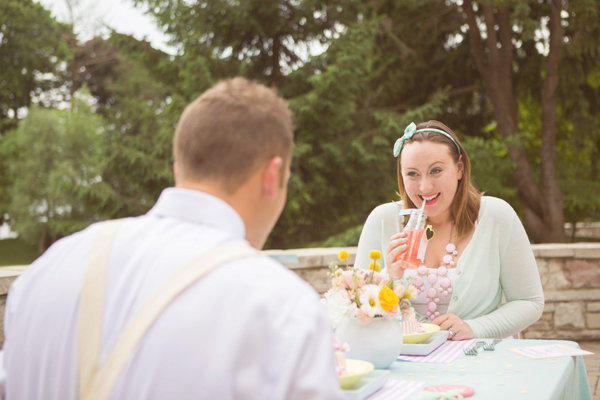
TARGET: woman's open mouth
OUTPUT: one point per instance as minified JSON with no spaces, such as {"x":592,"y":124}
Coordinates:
{"x":431,"y":199}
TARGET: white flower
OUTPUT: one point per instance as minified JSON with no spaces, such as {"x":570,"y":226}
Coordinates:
{"x":369,"y":300}
{"x":412,"y":292}
{"x":339,"y":306}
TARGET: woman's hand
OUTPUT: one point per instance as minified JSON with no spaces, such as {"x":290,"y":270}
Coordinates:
{"x":459,"y":329}
{"x":396,"y":246}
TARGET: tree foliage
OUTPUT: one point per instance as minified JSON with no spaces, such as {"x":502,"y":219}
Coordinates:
{"x":261,"y":38}
{"x":519,"y":49}
{"x":56,"y":158}
{"x":31,"y":49}
{"x":519,"y":81}
{"x":132,"y":84}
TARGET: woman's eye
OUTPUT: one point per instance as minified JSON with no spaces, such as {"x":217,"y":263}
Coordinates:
{"x":436,"y":171}
{"x":412,"y":174}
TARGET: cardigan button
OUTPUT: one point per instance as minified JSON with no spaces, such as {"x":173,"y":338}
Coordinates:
{"x":455,"y":298}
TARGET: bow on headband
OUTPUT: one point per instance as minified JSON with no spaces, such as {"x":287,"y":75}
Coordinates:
{"x":410,"y":130}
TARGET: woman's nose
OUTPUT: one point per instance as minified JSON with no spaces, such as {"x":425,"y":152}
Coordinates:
{"x":425,"y":185}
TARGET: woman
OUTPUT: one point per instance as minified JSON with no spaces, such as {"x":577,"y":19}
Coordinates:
{"x":479,"y":251}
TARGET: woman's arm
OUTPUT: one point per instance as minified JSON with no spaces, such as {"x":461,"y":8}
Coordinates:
{"x":520,"y":282}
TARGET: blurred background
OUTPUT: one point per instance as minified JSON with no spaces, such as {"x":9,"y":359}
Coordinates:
{"x":90,"y":93}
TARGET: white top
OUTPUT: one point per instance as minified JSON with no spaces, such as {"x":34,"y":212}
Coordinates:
{"x":497,"y":261}
{"x":249,"y":330}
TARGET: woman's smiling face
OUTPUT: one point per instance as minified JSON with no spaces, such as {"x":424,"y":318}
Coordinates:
{"x":430,"y":174}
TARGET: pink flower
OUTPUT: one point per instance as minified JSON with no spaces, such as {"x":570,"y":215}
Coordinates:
{"x":362,"y":317}
{"x":347,"y":279}
{"x":399,"y":289}
{"x":361,"y":278}
{"x":383,"y":282}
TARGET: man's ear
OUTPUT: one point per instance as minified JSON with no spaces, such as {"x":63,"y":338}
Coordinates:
{"x":270,"y":183}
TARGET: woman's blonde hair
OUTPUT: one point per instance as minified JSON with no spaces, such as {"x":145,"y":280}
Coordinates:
{"x":464,"y":209}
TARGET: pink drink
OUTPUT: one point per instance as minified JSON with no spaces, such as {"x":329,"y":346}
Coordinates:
{"x":413,"y":256}
{"x":409,"y":257}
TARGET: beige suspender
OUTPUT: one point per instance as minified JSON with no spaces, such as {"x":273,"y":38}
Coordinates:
{"x":95,"y":383}
{"x":91,"y":302}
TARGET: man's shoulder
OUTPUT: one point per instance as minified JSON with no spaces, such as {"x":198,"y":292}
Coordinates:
{"x":265,"y":275}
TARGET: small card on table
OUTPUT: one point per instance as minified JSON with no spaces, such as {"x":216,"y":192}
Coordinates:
{"x":550,"y":351}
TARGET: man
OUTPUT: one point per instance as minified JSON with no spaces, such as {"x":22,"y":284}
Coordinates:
{"x":249,"y":329}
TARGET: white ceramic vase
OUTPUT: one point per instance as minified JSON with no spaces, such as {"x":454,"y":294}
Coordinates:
{"x":379,"y":341}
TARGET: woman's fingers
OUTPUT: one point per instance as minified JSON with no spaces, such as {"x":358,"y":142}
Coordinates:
{"x":457,"y":328}
{"x":395,"y":270}
{"x":440,"y":319}
{"x":396,"y":246}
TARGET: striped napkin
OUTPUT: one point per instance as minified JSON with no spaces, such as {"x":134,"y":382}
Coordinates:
{"x":446,"y":353}
{"x":397,"y":390}
{"x":411,"y":327}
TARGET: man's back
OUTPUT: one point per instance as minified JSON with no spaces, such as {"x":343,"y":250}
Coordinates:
{"x":248,"y":310}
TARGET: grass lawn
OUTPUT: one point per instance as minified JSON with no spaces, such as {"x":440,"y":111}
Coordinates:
{"x":16,"y":252}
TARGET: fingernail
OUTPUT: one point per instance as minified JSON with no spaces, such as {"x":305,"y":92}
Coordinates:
{"x":403,"y":246}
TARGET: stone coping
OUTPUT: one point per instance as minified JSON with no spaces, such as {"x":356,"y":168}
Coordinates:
{"x":319,"y":257}
{"x":567,"y":250}
{"x":322,"y":256}
{"x":8,"y":275}
{"x":313,"y":257}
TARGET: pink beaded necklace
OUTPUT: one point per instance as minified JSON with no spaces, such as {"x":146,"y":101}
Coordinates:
{"x":437,"y":275}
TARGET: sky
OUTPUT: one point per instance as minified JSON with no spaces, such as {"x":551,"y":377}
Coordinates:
{"x":92,"y":17}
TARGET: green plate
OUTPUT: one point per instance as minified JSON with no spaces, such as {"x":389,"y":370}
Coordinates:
{"x":355,"y":370}
{"x":415,"y":338}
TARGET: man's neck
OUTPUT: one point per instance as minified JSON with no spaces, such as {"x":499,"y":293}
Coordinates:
{"x":242,"y":201}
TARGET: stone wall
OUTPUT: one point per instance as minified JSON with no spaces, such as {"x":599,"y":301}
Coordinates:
{"x":570,"y":276}
{"x":7,"y":276}
{"x":571,"y":279}
{"x":584,"y":231}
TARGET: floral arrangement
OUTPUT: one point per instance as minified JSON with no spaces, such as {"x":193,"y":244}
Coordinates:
{"x":363,"y":294}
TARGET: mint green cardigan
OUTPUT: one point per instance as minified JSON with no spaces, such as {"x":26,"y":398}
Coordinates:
{"x":497,"y":262}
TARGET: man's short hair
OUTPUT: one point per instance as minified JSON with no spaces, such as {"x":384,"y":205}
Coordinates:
{"x":228,"y":131}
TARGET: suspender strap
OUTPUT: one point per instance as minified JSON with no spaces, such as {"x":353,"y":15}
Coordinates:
{"x":91,"y":302}
{"x":102,"y":382}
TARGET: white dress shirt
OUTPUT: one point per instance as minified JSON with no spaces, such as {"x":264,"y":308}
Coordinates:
{"x":251,"y":329}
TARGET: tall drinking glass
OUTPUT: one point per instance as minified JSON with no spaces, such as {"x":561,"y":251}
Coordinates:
{"x":415,"y":228}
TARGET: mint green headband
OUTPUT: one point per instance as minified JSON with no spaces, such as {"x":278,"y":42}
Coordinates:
{"x":411,"y":129}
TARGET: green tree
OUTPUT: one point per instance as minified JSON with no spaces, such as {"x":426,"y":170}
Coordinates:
{"x":56,"y":158}
{"x":346,"y":124}
{"x":134,"y":85}
{"x":262,"y":39}
{"x":517,"y":62}
{"x":31,"y":50}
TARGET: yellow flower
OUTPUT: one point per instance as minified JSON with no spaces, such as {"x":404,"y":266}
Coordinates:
{"x":343,"y":255}
{"x":375,"y":254}
{"x":388,"y":299}
{"x":377,"y":266}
